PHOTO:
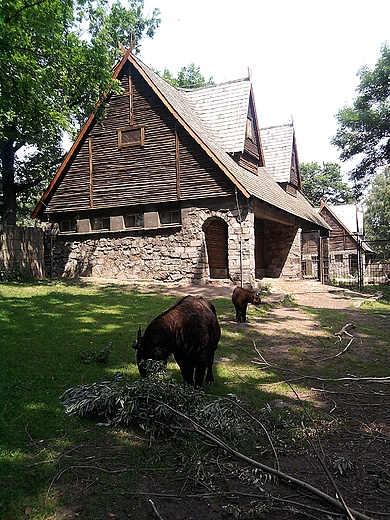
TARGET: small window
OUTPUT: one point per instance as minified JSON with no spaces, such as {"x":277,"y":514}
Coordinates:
{"x":170,"y":217}
{"x":338,"y":258}
{"x":67,"y":226}
{"x":100,"y":223}
{"x":131,"y":136}
{"x":314,"y":258}
{"x":249,"y":129}
{"x":136,"y":220}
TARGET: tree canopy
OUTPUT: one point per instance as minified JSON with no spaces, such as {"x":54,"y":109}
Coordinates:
{"x":377,"y":210}
{"x":324,"y":182}
{"x":56,"y":60}
{"x":188,"y":77}
{"x":364,"y":127}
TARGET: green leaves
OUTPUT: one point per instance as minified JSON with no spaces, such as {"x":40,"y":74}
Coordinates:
{"x":56,"y":62}
{"x":364,"y":127}
{"x":188,"y":77}
{"x":324,"y":182}
{"x":377,"y":214}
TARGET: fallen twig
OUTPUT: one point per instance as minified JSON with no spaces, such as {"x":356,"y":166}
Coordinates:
{"x":155,"y":510}
{"x":320,"y":459}
{"x":344,"y":331}
{"x":337,"y":355}
{"x":266,"y":469}
{"x":354,"y":379}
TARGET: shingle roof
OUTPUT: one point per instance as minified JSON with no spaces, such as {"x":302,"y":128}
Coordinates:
{"x":187,"y":109}
{"x":223,"y":108}
{"x":261,"y":186}
{"x":277,"y":144}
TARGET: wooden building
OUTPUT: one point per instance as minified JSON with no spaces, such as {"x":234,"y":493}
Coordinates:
{"x":172,"y":185}
{"x":343,"y":249}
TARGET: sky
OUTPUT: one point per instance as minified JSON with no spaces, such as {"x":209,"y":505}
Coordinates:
{"x":303,"y":56}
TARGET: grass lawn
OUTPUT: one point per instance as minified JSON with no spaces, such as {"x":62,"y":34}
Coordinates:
{"x":51,"y":336}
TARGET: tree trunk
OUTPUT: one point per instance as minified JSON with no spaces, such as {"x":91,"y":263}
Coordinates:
{"x":8,"y":177}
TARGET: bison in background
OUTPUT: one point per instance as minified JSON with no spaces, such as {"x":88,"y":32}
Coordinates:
{"x":190,"y":331}
{"x":240,"y":298}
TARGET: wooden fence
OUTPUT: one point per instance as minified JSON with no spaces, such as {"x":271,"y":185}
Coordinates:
{"x":22,"y":248}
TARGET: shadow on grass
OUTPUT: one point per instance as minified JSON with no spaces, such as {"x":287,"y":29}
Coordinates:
{"x":45,"y":327}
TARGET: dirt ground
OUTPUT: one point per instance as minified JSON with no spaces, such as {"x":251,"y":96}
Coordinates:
{"x":357,"y":431}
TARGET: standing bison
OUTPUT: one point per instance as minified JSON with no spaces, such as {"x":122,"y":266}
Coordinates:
{"x":240,"y":298}
{"x":190,"y":331}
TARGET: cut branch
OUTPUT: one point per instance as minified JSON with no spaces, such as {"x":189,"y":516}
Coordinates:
{"x":266,"y":469}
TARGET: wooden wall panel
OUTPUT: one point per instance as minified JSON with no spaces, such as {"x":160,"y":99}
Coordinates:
{"x":72,"y":193}
{"x":199,"y":175}
{"x":340,"y":240}
{"x":137,"y":174}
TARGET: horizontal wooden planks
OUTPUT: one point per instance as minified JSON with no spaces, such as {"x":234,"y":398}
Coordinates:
{"x":138,"y":174}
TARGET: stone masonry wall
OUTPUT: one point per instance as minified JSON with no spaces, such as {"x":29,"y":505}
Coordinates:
{"x":166,"y":254}
{"x":282,"y":247}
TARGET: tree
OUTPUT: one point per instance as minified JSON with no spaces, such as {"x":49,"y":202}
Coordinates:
{"x":56,"y":60}
{"x":188,"y":77}
{"x":377,"y":211}
{"x":364,"y":127}
{"x":324,"y":182}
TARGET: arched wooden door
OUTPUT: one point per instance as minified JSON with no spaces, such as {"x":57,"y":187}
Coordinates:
{"x":216,"y":231}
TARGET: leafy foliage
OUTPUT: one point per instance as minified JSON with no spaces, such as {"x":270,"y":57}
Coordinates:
{"x":364,"y":127}
{"x":188,"y":77}
{"x":56,"y":62}
{"x":89,"y":356}
{"x":153,"y":402}
{"x":324,"y":182}
{"x":377,"y":203}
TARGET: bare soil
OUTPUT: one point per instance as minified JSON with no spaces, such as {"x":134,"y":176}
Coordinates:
{"x":356,"y":431}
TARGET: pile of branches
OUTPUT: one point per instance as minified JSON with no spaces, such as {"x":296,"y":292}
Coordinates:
{"x":163,"y":407}
{"x":158,"y":404}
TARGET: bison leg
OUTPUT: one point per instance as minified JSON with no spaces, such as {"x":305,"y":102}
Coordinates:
{"x":187,"y":373}
{"x":244,"y":314}
{"x":209,"y":375}
{"x":199,"y":375}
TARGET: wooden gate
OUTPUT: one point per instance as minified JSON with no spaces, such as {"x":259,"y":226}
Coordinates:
{"x":217,"y":248}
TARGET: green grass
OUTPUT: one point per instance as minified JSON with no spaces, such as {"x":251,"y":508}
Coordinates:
{"x":46,"y":327}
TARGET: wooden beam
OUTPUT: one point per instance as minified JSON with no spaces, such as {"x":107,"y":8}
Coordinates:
{"x":266,"y":212}
{"x":130,"y":97}
{"x":80,"y":137}
{"x":90,"y":173}
{"x":177,"y":145}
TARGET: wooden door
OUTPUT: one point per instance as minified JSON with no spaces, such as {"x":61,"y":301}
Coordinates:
{"x":217,"y":248}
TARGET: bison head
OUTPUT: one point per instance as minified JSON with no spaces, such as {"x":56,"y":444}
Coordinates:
{"x":256,"y":299}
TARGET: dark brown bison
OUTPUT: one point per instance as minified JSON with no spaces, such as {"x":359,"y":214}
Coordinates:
{"x":190,"y":331}
{"x":240,"y":298}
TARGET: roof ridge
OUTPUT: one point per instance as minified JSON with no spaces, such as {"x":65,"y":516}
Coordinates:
{"x":214,"y":85}
{"x":277,"y":126}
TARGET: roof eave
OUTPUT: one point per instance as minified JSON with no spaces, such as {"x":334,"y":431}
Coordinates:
{"x":185,"y":125}
{"x":81,"y":135}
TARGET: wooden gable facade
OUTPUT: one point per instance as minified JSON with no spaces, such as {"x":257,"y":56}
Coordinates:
{"x":281,"y":156}
{"x":138,"y":155}
{"x":339,"y":254}
{"x":159,"y":190}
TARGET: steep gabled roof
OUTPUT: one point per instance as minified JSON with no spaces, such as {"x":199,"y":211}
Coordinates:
{"x":212,"y":141}
{"x":261,"y":186}
{"x":278,"y":145}
{"x":223,"y":108}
